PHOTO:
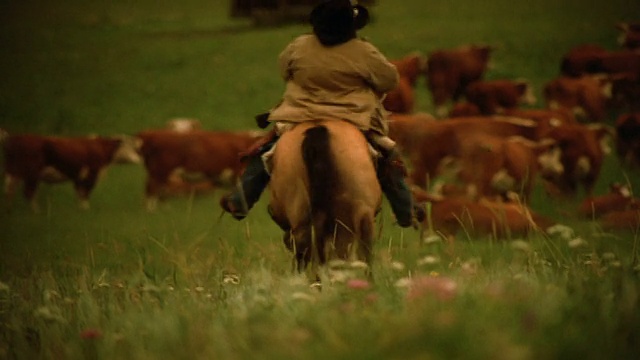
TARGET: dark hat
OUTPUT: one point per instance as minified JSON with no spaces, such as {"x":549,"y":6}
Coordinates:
{"x":336,"y":21}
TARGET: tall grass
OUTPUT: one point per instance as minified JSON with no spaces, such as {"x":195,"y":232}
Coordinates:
{"x":183,"y":282}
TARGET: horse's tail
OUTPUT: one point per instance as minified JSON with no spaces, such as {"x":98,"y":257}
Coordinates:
{"x":321,"y":170}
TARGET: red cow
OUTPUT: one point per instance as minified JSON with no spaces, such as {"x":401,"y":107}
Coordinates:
{"x":450,"y":71}
{"x":402,"y":98}
{"x":35,"y":158}
{"x":496,"y":96}
{"x":583,"y":149}
{"x":619,"y":198}
{"x":627,"y":129}
{"x":450,"y":216}
{"x":208,"y":154}
{"x":586,"y":96}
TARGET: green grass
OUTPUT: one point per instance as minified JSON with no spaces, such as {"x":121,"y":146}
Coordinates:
{"x":118,"y":282}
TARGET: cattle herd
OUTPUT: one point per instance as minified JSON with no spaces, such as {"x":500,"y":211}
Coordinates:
{"x":474,"y":161}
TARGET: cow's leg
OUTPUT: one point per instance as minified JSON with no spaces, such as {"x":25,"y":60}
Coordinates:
{"x":83,"y":186}
{"x":29,"y":190}
{"x":10,"y":186}
{"x":156,"y":182}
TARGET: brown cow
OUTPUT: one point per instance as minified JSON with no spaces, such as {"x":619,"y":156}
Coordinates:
{"x":582,"y":59}
{"x":427,"y":143}
{"x":493,"y":166}
{"x":497,"y":96}
{"x":34,"y":158}
{"x":628,"y":220}
{"x":619,"y":198}
{"x":450,"y":216}
{"x":627,"y":129}
{"x":586,"y":96}
{"x":583,"y":149}
{"x":209,"y":154}
{"x":449,"y":72}
{"x":402,"y":98}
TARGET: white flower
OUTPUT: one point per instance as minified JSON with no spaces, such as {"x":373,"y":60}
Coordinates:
{"x":404,"y":282}
{"x":432,"y":239}
{"x":563,"y":231}
{"x":428,"y":260}
{"x":577,"y":242}
{"x":521,"y":245}
{"x":398,"y":266}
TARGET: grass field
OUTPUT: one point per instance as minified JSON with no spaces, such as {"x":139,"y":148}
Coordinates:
{"x":117,"y":282}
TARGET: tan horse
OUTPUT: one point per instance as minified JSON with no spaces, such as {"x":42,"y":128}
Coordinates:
{"x":325,"y":193}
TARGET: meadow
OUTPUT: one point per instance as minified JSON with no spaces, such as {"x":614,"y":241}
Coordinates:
{"x":184,"y":282}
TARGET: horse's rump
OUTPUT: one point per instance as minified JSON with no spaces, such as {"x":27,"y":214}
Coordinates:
{"x":324,"y":189}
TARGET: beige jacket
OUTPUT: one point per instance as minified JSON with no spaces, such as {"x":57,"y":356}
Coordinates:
{"x":346,"y":81}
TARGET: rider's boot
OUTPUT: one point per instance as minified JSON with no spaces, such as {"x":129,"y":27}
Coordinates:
{"x":391,"y":174}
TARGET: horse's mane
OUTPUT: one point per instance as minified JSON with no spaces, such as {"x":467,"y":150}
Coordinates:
{"x":321,"y":171}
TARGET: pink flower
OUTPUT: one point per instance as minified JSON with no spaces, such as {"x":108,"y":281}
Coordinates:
{"x":358,"y":284}
{"x":441,"y":288}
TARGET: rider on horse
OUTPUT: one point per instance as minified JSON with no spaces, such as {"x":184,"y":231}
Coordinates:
{"x":332,"y":74}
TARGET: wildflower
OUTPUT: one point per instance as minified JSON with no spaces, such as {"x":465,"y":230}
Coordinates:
{"x":48,"y":314}
{"x":358,"y":284}
{"x":441,"y":288}
{"x":520,"y":245}
{"x":199,"y":288}
{"x":298,"y":295}
{"x":359,"y":265}
{"x":563,"y":231}
{"x":398,"y":266}
{"x":404,"y":282}
{"x":428,"y":260}
{"x":577,"y":242}
{"x":231,"y":279}
{"x":432,"y":239}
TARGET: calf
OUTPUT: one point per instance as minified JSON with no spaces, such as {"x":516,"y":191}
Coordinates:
{"x":171,"y":157}
{"x":34,"y":158}
{"x":450,"y":216}
{"x":449,"y":71}
{"x":497,"y":96}
{"x":627,"y":128}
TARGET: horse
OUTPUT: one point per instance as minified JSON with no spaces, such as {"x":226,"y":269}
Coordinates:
{"x":325,"y":194}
